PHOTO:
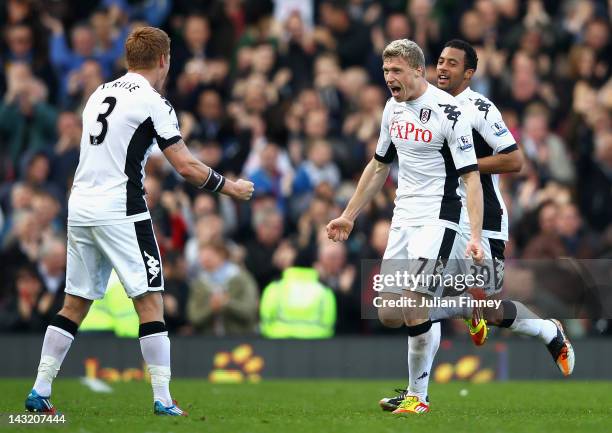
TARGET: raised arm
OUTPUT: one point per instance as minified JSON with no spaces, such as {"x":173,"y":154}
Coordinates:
{"x":59,"y":53}
{"x":199,"y":174}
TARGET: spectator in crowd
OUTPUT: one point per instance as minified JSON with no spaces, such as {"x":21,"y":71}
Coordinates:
{"x":211,"y":124}
{"x":66,"y":158}
{"x":297,"y":49}
{"x":36,"y":172}
{"x":426,"y":31}
{"x":576,"y":238}
{"x":318,"y":168}
{"x":375,"y":249}
{"x":327,"y":74}
{"x":193,"y":46}
{"x":310,"y":225}
{"x":176,"y":293}
{"x":545,"y":149}
{"x":269,"y":179}
{"x":268,"y":228}
{"x":16,"y":198}
{"x":168,"y":222}
{"x":547,"y":244}
{"x":83,"y":47}
{"x":47,"y":210}
{"x":30,"y":308}
{"x":223,"y":299}
{"x":209,"y":228}
{"x":209,"y":116}
{"x":21,"y":49}
{"x":22,"y":244}
{"x":594,"y":182}
{"x":341,"y":34}
{"x":82,"y":82}
{"x":597,"y":37}
{"x":342,"y":278}
{"x":378,"y":239}
{"x":364,"y":122}
{"x":361,"y":126}
{"x":152,"y":12}
{"x":52,"y":267}
{"x":397,"y":26}
{"x":27,"y":121}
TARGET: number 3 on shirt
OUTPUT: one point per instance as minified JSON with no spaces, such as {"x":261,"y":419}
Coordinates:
{"x":98,"y":139}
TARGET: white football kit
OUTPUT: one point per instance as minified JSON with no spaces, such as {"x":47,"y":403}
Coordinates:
{"x":432,"y":139}
{"x":491,"y":137}
{"x":109,"y":225}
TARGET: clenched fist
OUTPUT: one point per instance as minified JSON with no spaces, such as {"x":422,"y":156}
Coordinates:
{"x":339,"y":229}
{"x":242,"y":190}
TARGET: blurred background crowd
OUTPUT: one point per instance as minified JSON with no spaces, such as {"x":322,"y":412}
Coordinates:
{"x":289,"y":94}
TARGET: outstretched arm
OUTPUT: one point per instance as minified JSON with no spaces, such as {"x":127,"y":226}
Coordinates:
{"x":199,"y":174}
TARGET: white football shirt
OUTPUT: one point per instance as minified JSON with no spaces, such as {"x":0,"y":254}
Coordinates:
{"x":121,"y":121}
{"x":433,"y":141}
{"x":491,"y":136}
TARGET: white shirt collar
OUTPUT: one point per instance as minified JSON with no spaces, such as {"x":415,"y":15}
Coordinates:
{"x":135,"y":76}
{"x":465,"y":93}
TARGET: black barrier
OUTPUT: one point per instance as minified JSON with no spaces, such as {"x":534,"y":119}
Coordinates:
{"x":236,"y":360}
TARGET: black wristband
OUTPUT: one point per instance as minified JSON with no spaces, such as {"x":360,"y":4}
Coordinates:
{"x":214,"y":182}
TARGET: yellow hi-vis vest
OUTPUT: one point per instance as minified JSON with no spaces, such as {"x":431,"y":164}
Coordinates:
{"x":115,"y":312}
{"x":298,"y":306}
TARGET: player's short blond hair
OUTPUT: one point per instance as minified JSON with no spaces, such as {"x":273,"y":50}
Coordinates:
{"x":406,"y":49}
{"x":144,"y":46}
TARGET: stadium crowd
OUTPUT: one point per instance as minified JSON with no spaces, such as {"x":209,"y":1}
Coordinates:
{"x":289,"y":94}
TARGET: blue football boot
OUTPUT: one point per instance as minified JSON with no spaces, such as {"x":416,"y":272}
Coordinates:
{"x":38,"y":403}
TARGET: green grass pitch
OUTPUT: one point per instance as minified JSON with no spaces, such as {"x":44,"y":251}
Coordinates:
{"x":323,"y":406}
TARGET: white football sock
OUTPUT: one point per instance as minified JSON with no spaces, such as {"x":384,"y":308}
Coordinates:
{"x":421,"y":351}
{"x":156,"y":353}
{"x":435,"y":344}
{"x":528,"y":323}
{"x":55,"y":346}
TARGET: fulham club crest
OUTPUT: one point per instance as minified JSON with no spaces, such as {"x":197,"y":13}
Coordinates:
{"x":425,"y":114}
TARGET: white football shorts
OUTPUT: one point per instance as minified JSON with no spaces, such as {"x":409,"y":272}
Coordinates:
{"x":420,"y":250}
{"x":130,"y":248}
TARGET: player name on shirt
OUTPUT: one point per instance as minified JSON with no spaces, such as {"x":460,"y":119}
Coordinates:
{"x":127,"y":85}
